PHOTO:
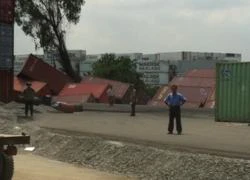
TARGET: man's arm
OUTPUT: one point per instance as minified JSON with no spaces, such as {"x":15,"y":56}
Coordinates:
{"x":166,"y":100}
{"x":183,"y":100}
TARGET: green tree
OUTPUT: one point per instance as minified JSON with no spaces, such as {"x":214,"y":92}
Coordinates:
{"x":46,"y":22}
{"x":121,"y":69}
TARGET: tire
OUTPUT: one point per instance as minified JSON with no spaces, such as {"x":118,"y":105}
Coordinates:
{"x":8,"y":167}
{"x":1,"y":166}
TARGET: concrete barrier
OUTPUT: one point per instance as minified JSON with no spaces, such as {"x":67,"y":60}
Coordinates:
{"x":125,"y":108}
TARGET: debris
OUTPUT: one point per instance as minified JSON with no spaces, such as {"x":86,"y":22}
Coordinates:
{"x":31,"y":149}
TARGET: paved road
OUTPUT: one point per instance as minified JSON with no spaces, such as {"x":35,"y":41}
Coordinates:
{"x":202,"y":135}
{"x":31,"y":167}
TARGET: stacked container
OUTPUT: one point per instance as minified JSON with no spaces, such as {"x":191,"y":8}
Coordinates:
{"x":7,"y":8}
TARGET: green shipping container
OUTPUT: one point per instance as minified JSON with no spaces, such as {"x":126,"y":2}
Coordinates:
{"x":233,"y":92}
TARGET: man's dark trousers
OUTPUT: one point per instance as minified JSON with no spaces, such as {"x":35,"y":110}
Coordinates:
{"x":29,"y":106}
{"x":133,"y":109}
{"x":174,"y":112}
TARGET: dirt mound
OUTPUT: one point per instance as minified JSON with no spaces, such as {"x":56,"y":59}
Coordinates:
{"x":134,"y":160}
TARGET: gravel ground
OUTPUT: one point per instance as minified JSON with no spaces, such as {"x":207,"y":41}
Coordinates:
{"x":124,"y":158}
{"x":140,"y":161}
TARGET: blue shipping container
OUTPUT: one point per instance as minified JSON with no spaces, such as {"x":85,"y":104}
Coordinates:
{"x":6,"y":46}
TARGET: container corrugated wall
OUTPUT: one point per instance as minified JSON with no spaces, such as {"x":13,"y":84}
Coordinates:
{"x":6,"y":46}
{"x":233,"y":92}
{"x":6,"y":85}
{"x":7,"y":11}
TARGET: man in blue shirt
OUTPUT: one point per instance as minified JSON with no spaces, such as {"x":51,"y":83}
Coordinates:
{"x":174,"y":101}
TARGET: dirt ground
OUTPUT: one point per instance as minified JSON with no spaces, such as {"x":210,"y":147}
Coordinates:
{"x":31,"y":167}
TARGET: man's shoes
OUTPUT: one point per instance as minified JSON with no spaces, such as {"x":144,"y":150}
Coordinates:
{"x":170,"y":132}
{"x":179,"y":133}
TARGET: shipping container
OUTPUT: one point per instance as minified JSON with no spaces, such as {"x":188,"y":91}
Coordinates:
{"x":121,"y":90}
{"x":41,"y":88}
{"x":197,"y":90}
{"x":7,"y":11}
{"x":99,"y":91}
{"x":193,"y":82}
{"x":6,"y":86}
{"x":6,"y":46}
{"x":75,"y":100}
{"x":182,"y":67}
{"x":232,"y":92}
{"x":201,"y":73}
{"x":37,"y":70}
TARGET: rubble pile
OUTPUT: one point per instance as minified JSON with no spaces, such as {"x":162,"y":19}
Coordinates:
{"x":136,"y":160}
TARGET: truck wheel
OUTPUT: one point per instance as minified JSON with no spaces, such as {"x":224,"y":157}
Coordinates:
{"x":1,"y":166}
{"x":8,"y":167}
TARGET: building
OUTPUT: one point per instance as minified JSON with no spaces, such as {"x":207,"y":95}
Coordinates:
{"x":132,"y":56}
{"x":76,"y":56}
{"x":181,"y":62}
{"x":86,"y":66}
{"x":154,"y":72}
{"x":192,"y":56}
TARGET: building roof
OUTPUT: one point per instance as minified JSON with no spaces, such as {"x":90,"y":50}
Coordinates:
{"x":84,"y":88}
{"x":119,"y":88}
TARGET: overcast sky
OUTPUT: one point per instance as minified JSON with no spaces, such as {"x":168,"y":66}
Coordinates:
{"x":151,"y":26}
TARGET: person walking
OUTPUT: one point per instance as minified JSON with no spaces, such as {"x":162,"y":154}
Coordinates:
{"x":111,"y":97}
{"x":29,"y":95}
{"x":133,"y":100}
{"x":174,"y":101}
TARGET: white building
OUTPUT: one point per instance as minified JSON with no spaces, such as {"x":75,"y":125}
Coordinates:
{"x":159,"y":68}
{"x":86,"y":66}
{"x":154,"y":72}
{"x":76,"y":56}
{"x":189,"y":55}
{"x":132,"y":56}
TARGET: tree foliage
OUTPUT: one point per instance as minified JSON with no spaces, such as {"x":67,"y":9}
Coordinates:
{"x":121,"y":69}
{"x":46,"y":22}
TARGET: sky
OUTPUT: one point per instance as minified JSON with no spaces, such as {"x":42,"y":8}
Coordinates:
{"x":151,"y":26}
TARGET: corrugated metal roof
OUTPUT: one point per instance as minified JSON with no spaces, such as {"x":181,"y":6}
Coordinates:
{"x":20,"y":85}
{"x":84,"y":88}
{"x":198,"y":90}
{"x":37,"y":69}
{"x":193,"y":82}
{"x":119,"y":88}
{"x":201,"y":73}
{"x":77,"y":99}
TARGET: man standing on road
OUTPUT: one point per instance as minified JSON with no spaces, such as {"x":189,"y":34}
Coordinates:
{"x":174,"y":101}
{"x":29,"y":95}
{"x":133,"y":100}
{"x":111,"y":97}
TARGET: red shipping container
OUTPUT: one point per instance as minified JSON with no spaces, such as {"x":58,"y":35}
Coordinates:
{"x":193,"y":82}
{"x":201,"y":73}
{"x":75,"y":100}
{"x":36,"y":69}
{"x":40,"y":88}
{"x":198,"y":86}
{"x":99,"y":91}
{"x":6,"y":86}
{"x":121,"y":90}
{"x":7,"y":11}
